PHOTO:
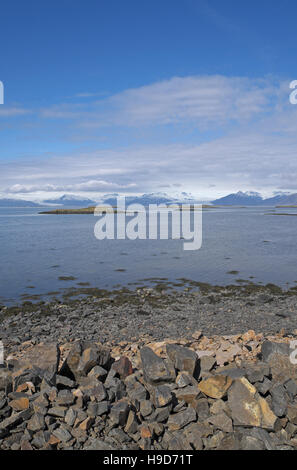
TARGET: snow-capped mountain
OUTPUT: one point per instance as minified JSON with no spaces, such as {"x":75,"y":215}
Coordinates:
{"x":70,"y":200}
{"x":151,"y":198}
{"x":251,"y":198}
{"x":248,"y":198}
{"x":17,"y":203}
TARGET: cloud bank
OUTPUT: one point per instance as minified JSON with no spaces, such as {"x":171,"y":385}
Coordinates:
{"x":207,"y":135}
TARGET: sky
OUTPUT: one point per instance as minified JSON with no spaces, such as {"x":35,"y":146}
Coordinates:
{"x":131,"y":97}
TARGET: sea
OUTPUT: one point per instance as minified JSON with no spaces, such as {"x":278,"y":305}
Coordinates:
{"x":46,"y":255}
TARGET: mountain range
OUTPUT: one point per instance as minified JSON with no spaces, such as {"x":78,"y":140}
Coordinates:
{"x":255,"y":199}
{"x":17,"y":203}
{"x":240,"y":198}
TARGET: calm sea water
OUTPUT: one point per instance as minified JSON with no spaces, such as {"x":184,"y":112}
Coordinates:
{"x":35,"y":250}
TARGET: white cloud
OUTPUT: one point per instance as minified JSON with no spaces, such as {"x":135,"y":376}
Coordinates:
{"x":206,"y":101}
{"x":250,"y":142}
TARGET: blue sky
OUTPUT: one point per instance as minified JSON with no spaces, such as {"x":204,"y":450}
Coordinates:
{"x":140,"y":96}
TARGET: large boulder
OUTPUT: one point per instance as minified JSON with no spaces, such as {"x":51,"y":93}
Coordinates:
{"x":216,"y":386}
{"x":184,"y":359}
{"x":83,"y":357}
{"x":248,"y":408}
{"x":155,"y":370}
{"x":270,"y":349}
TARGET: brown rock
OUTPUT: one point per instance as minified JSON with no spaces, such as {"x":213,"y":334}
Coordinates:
{"x":20,"y":404}
{"x":216,"y":386}
{"x":123,"y":367}
{"x":145,"y":432}
{"x":86,"y":424}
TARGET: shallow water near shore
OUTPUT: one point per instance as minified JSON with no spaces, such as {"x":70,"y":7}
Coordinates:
{"x":47,"y":253}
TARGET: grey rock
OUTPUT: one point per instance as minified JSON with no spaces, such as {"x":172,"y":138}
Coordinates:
{"x":291,"y":387}
{"x":64,"y":382}
{"x":58,"y":411}
{"x":36,"y":423}
{"x":279,"y":400}
{"x":202,"y":408}
{"x":98,"y":372}
{"x":119,"y":413}
{"x":70,"y":416}
{"x":62,"y":434}
{"x":102,"y":408}
{"x":251,"y":443}
{"x":180,"y":420}
{"x":97,"y":444}
{"x":155,"y":369}
{"x":269,"y":349}
{"x":264,"y":387}
{"x":161,"y":396}
{"x":184,"y":359}
{"x":146,"y":408}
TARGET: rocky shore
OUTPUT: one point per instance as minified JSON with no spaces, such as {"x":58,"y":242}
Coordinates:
{"x":151,"y":370}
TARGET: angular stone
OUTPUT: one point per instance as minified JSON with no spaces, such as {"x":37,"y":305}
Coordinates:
{"x":161,"y":396}
{"x":87,"y":424}
{"x":184,"y":379}
{"x":146,"y":408}
{"x":160,"y":415}
{"x":187,"y":394}
{"x":132,"y":424}
{"x":44,"y":357}
{"x":221,"y":421}
{"x":180,"y":420}
{"x":19,"y":404}
{"x":138,"y":392}
{"x":70,"y":416}
{"x":232,"y":372}
{"x":62,"y":434}
{"x":264,"y":387}
{"x":64,"y":382}
{"x":184,"y":359}
{"x":145,"y":432}
{"x":202,"y":408}
{"x":216,"y":386}
{"x":102,"y":408}
{"x":58,"y":411}
{"x":36,"y":423}
{"x":279,"y":400}
{"x":14,"y":420}
{"x":251,"y":443}
{"x":97,"y":444}
{"x":269,"y":349}
{"x":65,"y":397}
{"x":88,"y":360}
{"x":91,"y":387}
{"x":82,"y":357}
{"x":123,"y":367}
{"x":247,"y":408}
{"x":257,"y":372}
{"x":192,"y":435}
{"x":98,"y":372}
{"x":291,"y":387}
{"x":292,"y":413}
{"x":155,"y":369}
{"x":229,"y":442}
{"x":119,"y":413}
{"x":206,"y":364}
